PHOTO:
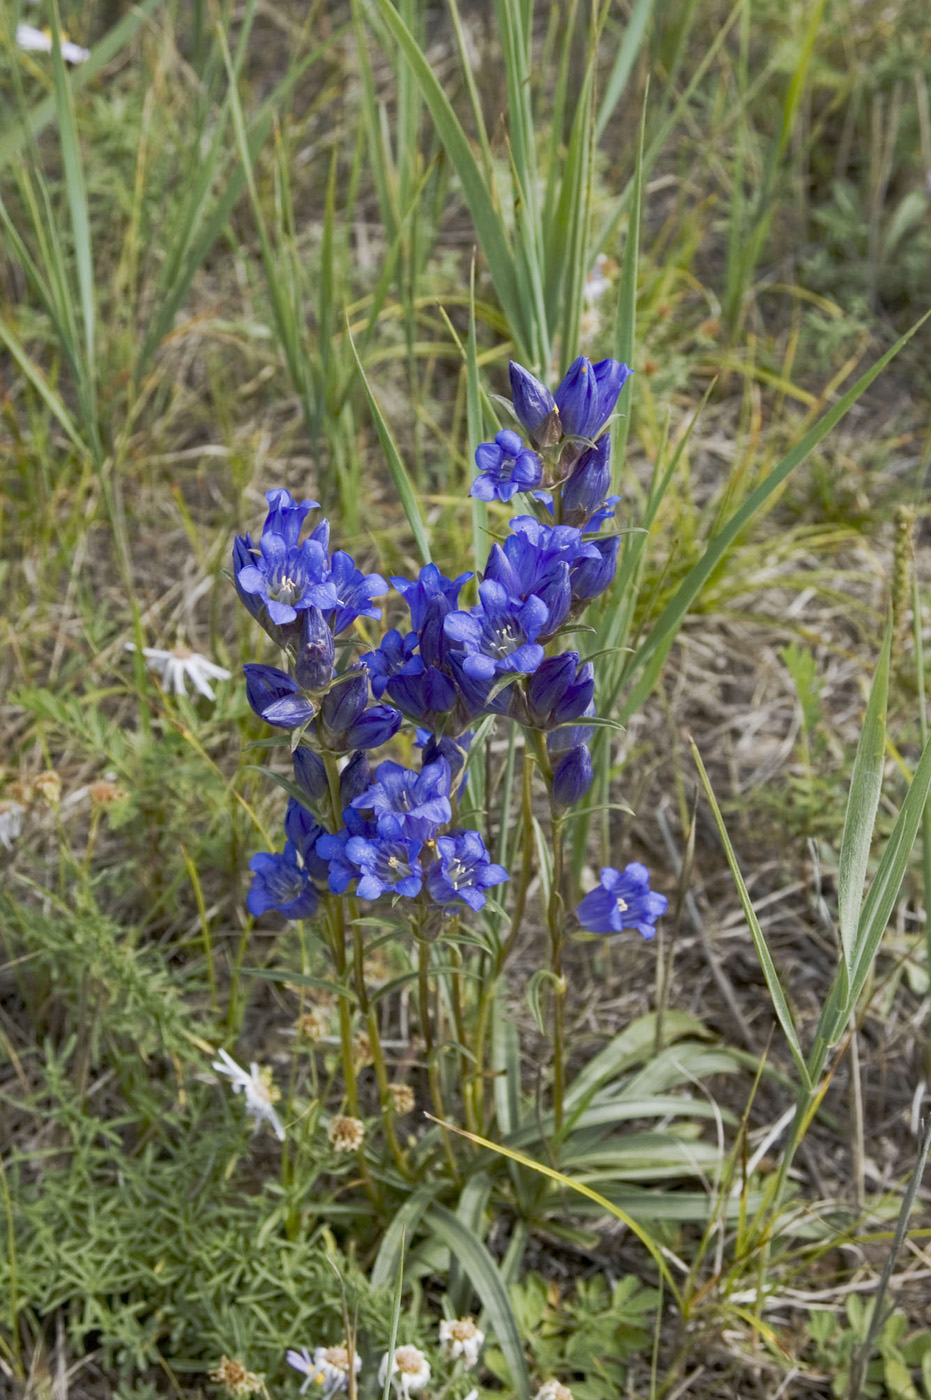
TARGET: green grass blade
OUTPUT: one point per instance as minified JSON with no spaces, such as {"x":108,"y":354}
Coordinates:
{"x":491,"y":231}
{"x":777,"y":995}
{"x":41,"y":385}
{"x":616,"y":84}
{"x":650,"y":655}
{"x":403,"y":1224}
{"x":626,"y":328}
{"x":77,"y":199}
{"x":399,"y":474}
{"x":862,"y":804}
{"x":486,"y":1279}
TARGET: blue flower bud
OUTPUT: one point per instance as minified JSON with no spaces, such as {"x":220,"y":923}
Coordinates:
{"x":314,"y":663}
{"x":560,"y":690}
{"x":589,"y":577}
{"x":310,"y":773}
{"x":354,"y":779}
{"x":344,"y":703}
{"x":275,"y":697}
{"x":286,"y":515}
{"x":534,"y":406}
{"x":588,"y":395}
{"x":572,"y":776}
{"x":374,"y":728}
{"x":585,"y":491}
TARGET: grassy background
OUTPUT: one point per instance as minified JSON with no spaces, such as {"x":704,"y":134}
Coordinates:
{"x":182,"y":258}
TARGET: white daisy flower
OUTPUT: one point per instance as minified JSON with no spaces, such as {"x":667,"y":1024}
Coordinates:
{"x":174,"y":666}
{"x":11,"y":822}
{"x":410,"y":1370}
{"x":461,"y":1337}
{"x":258,"y":1088}
{"x":34,"y":40}
{"x":328,"y":1367}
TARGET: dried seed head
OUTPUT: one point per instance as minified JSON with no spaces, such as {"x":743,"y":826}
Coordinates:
{"x":48,"y":786}
{"x":236,"y":1378}
{"x":312,"y":1025}
{"x":346,"y":1134}
{"x":104,"y":793}
{"x":402,"y":1097}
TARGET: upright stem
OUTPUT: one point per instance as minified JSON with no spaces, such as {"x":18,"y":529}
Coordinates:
{"x":426,"y":1027}
{"x":556,"y":922}
{"x":378,"y":1058}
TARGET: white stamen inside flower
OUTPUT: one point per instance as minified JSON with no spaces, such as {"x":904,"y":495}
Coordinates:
{"x":621,"y":904}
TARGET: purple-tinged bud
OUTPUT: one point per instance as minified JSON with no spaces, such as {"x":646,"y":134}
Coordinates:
{"x":556,"y":596}
{"x":534,"y":406}
{"x":572,"y":776}
{"x":455,"y":751}
{"x":344,"y":703}
{"x":588,"y":395}
{"x":314,"y":663}
{"x":570,"y":736}
{"x":548,"y":684}
{"x":355,"y":778}
{"x":276,"y":697}
{"x":375,"y":727}
{"x":585,"y":491}
{"x":589,"y":577}
{"x":310,"y":773}
{"x":286,"y":516}
{"x":611,"y":376}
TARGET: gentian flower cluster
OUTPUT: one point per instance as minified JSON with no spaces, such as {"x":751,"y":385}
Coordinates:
{"x":390,"y":832}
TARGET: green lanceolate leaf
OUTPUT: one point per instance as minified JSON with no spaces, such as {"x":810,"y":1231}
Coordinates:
{"x":862,"y":803}
{"x":483,"y":1272}
{"x":777,"y":995}
{"x":399,"y":474}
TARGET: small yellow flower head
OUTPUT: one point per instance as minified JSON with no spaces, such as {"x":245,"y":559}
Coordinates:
{"x":362,"y":1050}
{"x":48,"y":786}
{"x":346,"y":1134}
{"x":402,"y":1097}
{"x":236,"y":1379}
{"x":312,"y":1025}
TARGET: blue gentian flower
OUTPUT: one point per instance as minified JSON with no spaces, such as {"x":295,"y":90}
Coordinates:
{"x":425,"y":697}
{"x":303,"y":831}
{"x":275,"y":696}
{"x":288,"y":578}
{"x":332,"y":849}
{"x":463,"y":869}
{"x":310,"y":774}
{"x":572,"y":776}
{"x":345,"y":723}
{"x":286,"y":516}
{"x":530,"y":557}
{"x":588,"y":395}
{"x":355,"y":777}
{"x":534,"y":406}
{"x":506,"y":467}
{"x":568,"y":736}
{"x":591,"y":576}
{"x":353,"y":592}
{"x":406,"y":803}
{"x":429,"y":584}
{"x":281,"y":882}
{"x":583,"y":494}
{"x":622,"y":900}
{"x":499,"y":635}
{"x":245,"y":553}
{"x":558,"y":691}
{"x":454,"y":751}
{"x":394,"y":657}
{"x":313,"y":666}
{"x":387,"y":865}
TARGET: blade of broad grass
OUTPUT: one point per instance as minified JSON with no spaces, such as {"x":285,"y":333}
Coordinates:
{"x":76,"y":190}
{"x":573,"y":219}
{"x":475,"y":425}
{"x":625,"y":334}
{"x":403,"y":1223}
{"x":649,"y":657}
{"x":777,"y":995}
{"x":862,"y":805}
{"x":616,"y":84}
{"x":399,"y":474}
{"x":475,"y":101}
{"x":37,"y":379}
{"x":486,"y":1279}
{"x":25,"y":127}
{"x":488,"y":223}
{"x":654,"y":1248}
{"x":395,"y":1321}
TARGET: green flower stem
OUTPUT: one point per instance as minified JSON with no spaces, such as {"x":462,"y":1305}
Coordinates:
{"x":475,"y":1089}
{"x":426,"y":1026}
{"x":555,"y":919}
{"x":367,"y":1010}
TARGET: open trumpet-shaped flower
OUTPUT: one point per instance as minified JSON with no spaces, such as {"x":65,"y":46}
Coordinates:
{"x":406,"y":803}
{"x":281,"y":882}
{"x":385,"y":864}
{"x":463,"y":870}
{"x":288,"y":578}
{"x":506,"y":466}
{"x":622,"y":900}
{"x":499,"y":636}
